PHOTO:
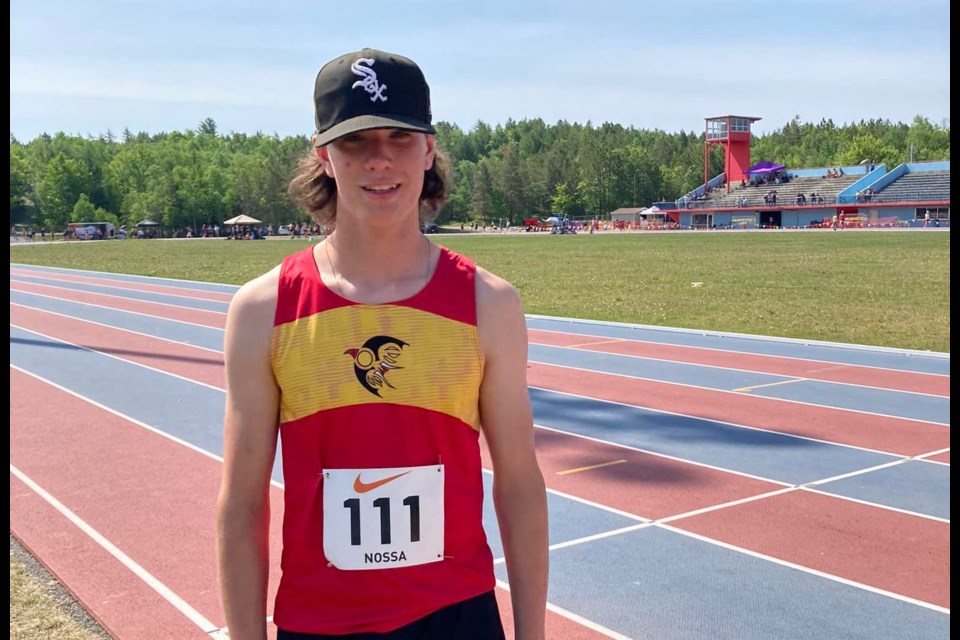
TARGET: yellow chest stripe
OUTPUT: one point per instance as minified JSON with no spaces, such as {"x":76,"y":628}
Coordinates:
{"x":403,"y":356}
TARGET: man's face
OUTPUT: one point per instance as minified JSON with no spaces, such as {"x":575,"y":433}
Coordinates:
{"x":379,"y":170}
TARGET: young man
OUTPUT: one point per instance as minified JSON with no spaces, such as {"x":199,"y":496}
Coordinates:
{"x":379,"y":358}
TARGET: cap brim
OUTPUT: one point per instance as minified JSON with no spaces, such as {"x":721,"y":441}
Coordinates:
{"x":364,"y":123}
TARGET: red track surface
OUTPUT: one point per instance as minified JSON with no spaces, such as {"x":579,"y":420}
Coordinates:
{"x":159,"y":508}
{"x":198,"y":316}
{"x":150,"y":496}
{"x":813,"y":370}
{"x":809,"y":369}
{"x":194,"y":363}
{"x":882,"y":433}
{"x":103,"y":480}
{"x":199,"y":294}
{"x":892,"y":551}
{"x":645,"y":485}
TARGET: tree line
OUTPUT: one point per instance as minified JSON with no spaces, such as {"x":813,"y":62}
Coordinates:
{"x":503,"y":173}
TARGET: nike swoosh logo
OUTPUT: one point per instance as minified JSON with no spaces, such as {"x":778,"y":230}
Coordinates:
{"x":362,"y":487}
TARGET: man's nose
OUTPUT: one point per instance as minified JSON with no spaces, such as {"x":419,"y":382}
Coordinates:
{"x":379,"y":153}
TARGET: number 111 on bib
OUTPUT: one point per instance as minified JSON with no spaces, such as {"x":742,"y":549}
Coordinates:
{"x":383,"y":518}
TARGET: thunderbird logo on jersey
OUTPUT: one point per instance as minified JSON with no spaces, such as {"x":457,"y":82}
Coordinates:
{"x":374,"y":360}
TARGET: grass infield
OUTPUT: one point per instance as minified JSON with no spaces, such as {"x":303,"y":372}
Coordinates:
{"x":883,"y":288}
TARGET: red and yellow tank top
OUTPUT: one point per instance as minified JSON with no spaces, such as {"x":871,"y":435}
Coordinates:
{"x":379,"y":431}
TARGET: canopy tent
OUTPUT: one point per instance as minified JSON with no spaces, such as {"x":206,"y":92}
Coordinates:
{"x":241,"y":219}
{"x":148,"y":223}
{"x":654,"y":214}
{"x":626,"y":214}
{"x":765,"y":167}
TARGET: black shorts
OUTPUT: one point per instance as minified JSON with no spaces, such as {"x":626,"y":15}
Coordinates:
{"x":475,"y":619}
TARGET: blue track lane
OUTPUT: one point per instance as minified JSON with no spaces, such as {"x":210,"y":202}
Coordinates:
{"x":658,"y":583}
{"x":653,"y":580}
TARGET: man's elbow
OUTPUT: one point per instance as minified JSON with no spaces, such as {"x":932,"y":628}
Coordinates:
{"x":522,"y":490}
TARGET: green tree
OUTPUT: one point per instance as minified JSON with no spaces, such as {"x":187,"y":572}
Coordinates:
{"x":480,"y":208}
{"x":21,"y":190}
{"x":207,"y":127}
{"x":512,"y":183}
{"x":870,"y":148}
{"x":562,"y":201}
{"x":62,"y":182}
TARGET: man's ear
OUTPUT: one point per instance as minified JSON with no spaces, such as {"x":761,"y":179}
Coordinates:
{"x":431,"y":152}
{"x":324,"y":156}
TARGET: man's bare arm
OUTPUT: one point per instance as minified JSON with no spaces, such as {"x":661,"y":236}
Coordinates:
{"x":518,"y":488}
{"x":250,"y":440}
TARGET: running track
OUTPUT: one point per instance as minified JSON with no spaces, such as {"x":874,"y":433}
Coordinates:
{"x":701,"y":485}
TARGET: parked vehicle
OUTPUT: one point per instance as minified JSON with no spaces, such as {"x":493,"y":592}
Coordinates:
{"x":429,"y":227}
{"x":91,"y":230}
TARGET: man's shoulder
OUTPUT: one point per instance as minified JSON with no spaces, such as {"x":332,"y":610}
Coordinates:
{"x":494,"y":291}
{"x":258,"y":292}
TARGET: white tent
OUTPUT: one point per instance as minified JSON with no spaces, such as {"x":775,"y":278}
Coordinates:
{"x":241,"y":219}
{"x":654,"y":213}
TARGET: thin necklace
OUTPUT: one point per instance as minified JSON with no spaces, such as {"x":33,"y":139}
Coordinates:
{"x":336,"y":276}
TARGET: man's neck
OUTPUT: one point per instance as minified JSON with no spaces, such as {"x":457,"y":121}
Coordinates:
{"x":376,"y":265}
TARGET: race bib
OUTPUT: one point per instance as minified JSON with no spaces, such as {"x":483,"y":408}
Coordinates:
{"x":383,"y":518}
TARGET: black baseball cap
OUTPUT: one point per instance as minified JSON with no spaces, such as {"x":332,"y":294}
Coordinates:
{"x":370,"y":89}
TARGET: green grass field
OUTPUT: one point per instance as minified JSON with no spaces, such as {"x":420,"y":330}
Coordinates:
{"x":885,"y":288}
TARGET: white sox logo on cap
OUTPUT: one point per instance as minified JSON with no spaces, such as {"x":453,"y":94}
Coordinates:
{"x":370,"y":84}
{"x":341,"y":104}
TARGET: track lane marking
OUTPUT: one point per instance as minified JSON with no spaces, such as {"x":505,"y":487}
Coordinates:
{"x":163,"y":590}
{"x":559,"y":493}
{"x":219,"y":633}
{"x":593,"y":344}
{"x":593,"y":626}
{"x":816,"y":572}
{"x":771,"y":384}
{"x":110,"y":295}
{"x":547,"y":366}
{"x":591,"y":467}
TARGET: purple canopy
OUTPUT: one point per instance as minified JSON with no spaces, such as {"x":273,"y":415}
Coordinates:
{"x":766,"y":167}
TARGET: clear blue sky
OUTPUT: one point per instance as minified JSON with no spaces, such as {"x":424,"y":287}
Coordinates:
{"x":164,"y":65}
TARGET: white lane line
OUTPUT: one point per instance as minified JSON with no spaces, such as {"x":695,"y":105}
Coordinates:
{"x":815,"y":572}
{"x":110,"y":295}
{"x":61,"y":284}
{"x":111,"y":327}
{"x":770,"y":399}
{"x":163,"y":590}
{"x":553,"y":491}
{"x":589,"y":624}
{"x":108,"y":275}
{"x":118,"y":284}
{"x":116,"y":309}
{"x":119,"y":359}
{"x":772,"y":384}
{"x":220,"y":633}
